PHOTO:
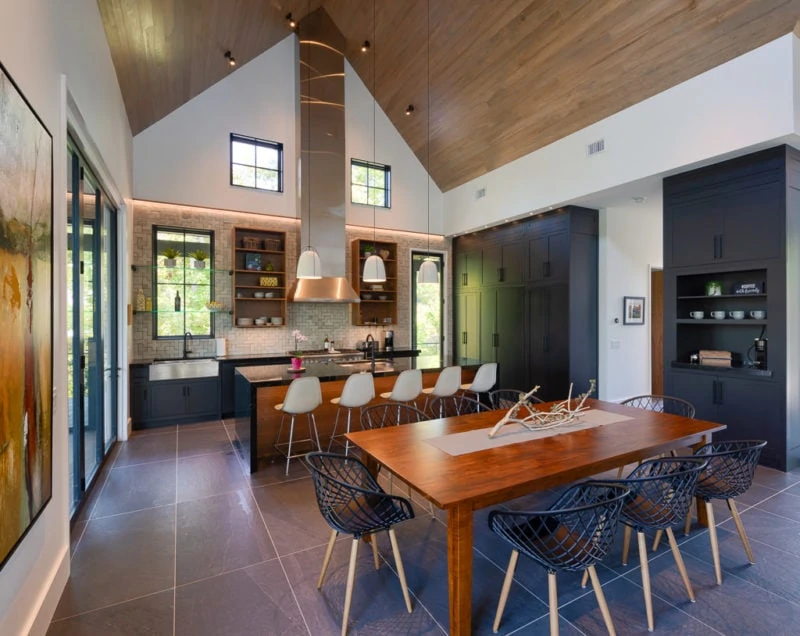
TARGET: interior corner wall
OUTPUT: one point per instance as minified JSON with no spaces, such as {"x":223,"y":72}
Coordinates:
{"x":745,"y":103}
{"x":410,"y":197}
{"x":48,"y":47}
{"x":631,"y":245}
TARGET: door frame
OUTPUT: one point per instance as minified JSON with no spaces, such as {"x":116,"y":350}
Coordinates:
{"x":444,"y":318}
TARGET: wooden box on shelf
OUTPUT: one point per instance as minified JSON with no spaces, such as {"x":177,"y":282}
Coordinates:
{"x":378,"y":304}
{"x":259,"y":278}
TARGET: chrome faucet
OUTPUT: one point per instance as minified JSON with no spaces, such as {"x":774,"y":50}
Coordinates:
{"x":186,"y":338}
{"x":369,"y":343}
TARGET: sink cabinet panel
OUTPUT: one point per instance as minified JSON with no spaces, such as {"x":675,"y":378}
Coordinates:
{"x":164,"y":402}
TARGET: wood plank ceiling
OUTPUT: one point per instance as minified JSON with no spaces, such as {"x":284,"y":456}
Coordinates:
{"x":506,"y":76}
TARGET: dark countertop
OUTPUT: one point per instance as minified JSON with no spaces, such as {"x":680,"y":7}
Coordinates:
{"x":733,"y":370}
{"x":278,"y":358}
{"x":281,"y":374}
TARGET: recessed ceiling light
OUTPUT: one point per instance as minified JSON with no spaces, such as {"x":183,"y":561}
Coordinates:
{"x":291,"y":21}
{"x":230,"y":58}
{"x":365,"y":46}
{"x":409,"y":109}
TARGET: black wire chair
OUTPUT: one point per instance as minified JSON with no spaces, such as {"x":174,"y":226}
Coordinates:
{"x":661,"y":495}
{"x":730,"y":471}
{"x":659,"y":404}
{"x":507,"y":398}
{"x":572,"y":535}
{"x":452,"y":405}
{"x":352,"y":502}
{"x":390,"y":414}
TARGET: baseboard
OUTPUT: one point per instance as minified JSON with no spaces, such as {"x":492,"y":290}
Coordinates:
{"x":46,"y":604}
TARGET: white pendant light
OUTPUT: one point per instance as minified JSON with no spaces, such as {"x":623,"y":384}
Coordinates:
{"x":374,"y":270}
{"x":309,"y":265}
{"x":428,"y":273}
{"x":374,"y":267}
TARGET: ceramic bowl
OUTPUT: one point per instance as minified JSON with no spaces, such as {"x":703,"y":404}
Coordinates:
{"x":382,"y":297}
{"x":258,"y":295}
{"x":244,"y":322}
{"x":276,"y":320}
{"x":366,"y":296}
{"x":261,"y":321}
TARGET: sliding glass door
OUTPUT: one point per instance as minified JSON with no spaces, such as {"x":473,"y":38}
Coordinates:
{"x":91,"y":325}
{"x":427,"y":326}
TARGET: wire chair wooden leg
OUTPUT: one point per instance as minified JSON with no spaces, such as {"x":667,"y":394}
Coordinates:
{"x":657,"y":539}
{"x":676,"y":553}
{"x":327,"y":558}
{"x":501,"y":605}
{"x":351,"y":575}
{"x":740,"y":529}
{"x":373,"y":539}
{"x":619,"y":472}
{"x":712,"y":533}
{"x":585,"y":578}
{"x":626,"y":545}
{"x":553,"y":598}
{"x":601,"y":600}
{"x":648,"y":597}
{"x":401,"y":573}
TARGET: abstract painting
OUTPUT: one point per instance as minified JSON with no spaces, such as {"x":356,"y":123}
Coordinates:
{"x":26,"y":309}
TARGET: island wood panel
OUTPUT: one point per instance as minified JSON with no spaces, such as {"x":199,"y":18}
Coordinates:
{"x":269,"y":418}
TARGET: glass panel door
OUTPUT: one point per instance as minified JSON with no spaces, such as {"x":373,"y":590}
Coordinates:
{"x":427,"y":327}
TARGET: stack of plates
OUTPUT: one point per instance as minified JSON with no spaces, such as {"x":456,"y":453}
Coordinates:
{"x":244,"y":322}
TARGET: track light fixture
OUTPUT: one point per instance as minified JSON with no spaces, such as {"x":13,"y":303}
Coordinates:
{"x":365,"y":46}
{"x":291,"y":21}
{"x":230,"y":58}
{"x":409,"y":109}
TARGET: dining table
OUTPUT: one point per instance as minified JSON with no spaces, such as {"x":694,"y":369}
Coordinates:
{"x":453,"y":463}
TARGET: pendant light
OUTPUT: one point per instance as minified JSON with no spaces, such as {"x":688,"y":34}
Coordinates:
{"x":374,"y":267}
{"x":428,"y":273}
{"x":308,"y":265}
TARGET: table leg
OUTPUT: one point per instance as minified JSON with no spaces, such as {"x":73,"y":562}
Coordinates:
{"x":700,"y":504}
{"x":459,"y":569}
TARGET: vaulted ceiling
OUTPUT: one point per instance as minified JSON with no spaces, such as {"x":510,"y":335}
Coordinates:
{"x":506,"y":76}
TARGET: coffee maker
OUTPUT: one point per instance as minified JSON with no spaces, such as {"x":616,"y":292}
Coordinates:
{"x":388,"y":341}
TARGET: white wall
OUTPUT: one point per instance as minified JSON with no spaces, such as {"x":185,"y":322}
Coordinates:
{"x":742,"y":103}
{"x":409,"y":177}
{"x":630,"y":244}
{"x":39,"y":41}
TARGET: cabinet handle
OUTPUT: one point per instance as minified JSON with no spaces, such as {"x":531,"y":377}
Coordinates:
{"x":496,"y":337}
{"x":463,"y":337}
{"x":721,"y":392}
{"x":546,"y":268}
{"x":145,"y":394}
{"x":720,"y":256}
{"x":500,"y":274}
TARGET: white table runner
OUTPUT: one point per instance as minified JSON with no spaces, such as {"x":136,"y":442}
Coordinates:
{"x":479,"y":440}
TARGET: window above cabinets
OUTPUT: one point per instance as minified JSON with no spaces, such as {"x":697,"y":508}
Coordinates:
{"x":370,"y":183}
{"x":256,"y":163}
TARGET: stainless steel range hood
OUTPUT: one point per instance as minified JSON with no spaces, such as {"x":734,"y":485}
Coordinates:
{"x":323,"y":163}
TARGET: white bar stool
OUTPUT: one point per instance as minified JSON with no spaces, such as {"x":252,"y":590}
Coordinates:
{"x":407,"y":387}
{"x":302,"y":397}
{"x":485,"y":379}
{"x":356,"y":393}
{"x":448,"y":382}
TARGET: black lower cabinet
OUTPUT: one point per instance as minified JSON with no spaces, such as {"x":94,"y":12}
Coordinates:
{"x":174,"y":401}
{"x":548,"y":339}
{"x":502,"y":339}
{"x":750,"y":408}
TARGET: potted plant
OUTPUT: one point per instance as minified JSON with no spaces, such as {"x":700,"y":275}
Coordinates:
{"x":297,"y":359}
{"x":368,"y":249}
{"x":170,"y":255}
{"x":199,"y":257}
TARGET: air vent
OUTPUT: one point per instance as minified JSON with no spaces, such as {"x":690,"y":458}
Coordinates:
{"x":479,"y":194}
{"x":596,"y":147}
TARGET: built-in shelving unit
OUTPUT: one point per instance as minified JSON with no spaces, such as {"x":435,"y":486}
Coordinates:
{"x":378,"y":304}
{"x":259,"y":277}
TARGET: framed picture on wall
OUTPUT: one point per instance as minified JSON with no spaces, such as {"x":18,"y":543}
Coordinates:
{"x":633,"y":310}
{"x":252,"y":262}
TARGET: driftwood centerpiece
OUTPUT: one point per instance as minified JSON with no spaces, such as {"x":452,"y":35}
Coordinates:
{"x":560,"y":413}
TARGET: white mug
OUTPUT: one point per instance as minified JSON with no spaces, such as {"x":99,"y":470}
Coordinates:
{"x":736,"y":315}
{"x":718,"y":314}
{"x":697,"y":314}
{"x":758,"y":314}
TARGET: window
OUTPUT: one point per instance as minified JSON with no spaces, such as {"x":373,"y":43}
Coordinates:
{"x":370,"y":183}
{"x":256,"y":163}
{"x":427,"y":325}
{"x":183,"y":282}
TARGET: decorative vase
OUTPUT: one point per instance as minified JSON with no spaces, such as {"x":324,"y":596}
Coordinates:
{"x":170,"y":262}
{"x":297,"y":363}
{"x":199,"y":264}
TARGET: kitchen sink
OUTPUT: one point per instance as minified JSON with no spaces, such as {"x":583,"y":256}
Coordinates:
{"x":366,"y":365}
{"x":180,"y":369}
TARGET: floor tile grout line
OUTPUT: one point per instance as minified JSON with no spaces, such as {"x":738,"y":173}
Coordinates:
{"x":245,"y":470}
{"x":105,"y":607}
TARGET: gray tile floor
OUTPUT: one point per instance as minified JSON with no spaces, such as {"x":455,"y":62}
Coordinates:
{"x":177,"y":539}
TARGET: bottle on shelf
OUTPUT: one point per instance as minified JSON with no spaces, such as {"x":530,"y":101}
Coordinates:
{"x":148,"y":304}
{"x":326,"y":345}
{"x":177,"y":301}
{"x":140,"y":304}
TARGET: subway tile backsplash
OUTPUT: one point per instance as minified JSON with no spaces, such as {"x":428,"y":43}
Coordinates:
{"x":315,"y":320}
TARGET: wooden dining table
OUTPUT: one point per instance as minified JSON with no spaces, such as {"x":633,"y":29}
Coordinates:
{"x":463,"y":483}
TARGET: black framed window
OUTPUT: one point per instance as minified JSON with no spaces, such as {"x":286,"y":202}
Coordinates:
{"x":256,"y":163}
{"x":183,"y":280}
{"x":370,"y":183}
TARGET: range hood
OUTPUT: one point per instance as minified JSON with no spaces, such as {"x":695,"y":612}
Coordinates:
{"x":323,"y":164}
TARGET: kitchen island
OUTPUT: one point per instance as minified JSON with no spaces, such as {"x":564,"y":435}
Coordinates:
{"x":258,"y":389}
